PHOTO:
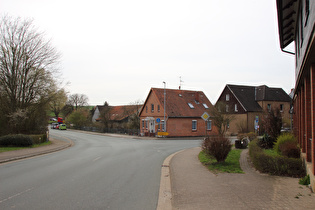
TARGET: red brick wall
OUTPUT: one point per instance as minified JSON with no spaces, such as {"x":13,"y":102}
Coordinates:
{"x":308,"y":126}
{"x":183,"y":127}
{"x":312,"y":77}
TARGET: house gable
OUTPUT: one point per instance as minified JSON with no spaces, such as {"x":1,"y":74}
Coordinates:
{"x":182,"y":107}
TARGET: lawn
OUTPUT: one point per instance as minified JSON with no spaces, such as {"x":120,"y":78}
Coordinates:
{"x":231,"y":164}
{"x":6,"y":149}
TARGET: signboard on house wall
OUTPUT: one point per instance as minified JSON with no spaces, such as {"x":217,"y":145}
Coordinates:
{"x":205,"y":116}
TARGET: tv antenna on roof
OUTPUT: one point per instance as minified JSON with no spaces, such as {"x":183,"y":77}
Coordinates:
{"x":180,"y":82}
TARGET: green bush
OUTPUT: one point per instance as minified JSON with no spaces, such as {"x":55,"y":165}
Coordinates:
{"x":38,"y":139}
{"x":275,"y":165}
{"x":217,"y":146}
{"x":305,"y":180}
{"x":266,"y":142}
{"x":18,"y":140}
{"x":287,"y":145}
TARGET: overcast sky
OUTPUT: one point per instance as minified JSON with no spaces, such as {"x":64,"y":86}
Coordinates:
{"x":116,"y":50}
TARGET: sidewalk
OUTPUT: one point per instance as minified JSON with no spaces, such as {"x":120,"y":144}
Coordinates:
{"x":194,"y":187}
{"x":55,"y":145}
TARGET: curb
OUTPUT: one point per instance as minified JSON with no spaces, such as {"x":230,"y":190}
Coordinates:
{"x":70,"y":144}
{"x":165,"y":193}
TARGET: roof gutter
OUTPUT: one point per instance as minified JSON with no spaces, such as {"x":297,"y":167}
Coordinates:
{"x":285,"y":51}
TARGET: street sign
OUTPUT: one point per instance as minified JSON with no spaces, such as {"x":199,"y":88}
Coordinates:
{"x":163,"y":134}
{"x":205,"y":116}
{"x":158,"y":120}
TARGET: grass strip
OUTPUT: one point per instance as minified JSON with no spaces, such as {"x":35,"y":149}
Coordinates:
{"x":6,"y":149}
{"x":231,"y":164}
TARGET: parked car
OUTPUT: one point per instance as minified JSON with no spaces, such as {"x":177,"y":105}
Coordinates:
{"x":62,"y":127}
{"x":53,"y":125}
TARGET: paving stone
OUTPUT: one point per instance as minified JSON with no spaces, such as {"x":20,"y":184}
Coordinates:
{"x":195,"y":187}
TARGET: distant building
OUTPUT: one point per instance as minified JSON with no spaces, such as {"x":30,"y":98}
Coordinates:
{"x":246,"y":104}
{"x":296,"y":21}
{"x":116,"y":114}
{"x":183,"y":111}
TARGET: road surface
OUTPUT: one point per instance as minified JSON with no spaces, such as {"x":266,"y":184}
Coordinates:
{"x":99,"y":172}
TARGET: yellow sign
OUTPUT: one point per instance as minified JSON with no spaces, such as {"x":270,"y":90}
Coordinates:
{"x":205,"y":116}
{"x":162,"y":134}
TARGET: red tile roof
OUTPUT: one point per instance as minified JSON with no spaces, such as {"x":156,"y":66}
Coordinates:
{"x":182,"y":103}
{"x":118,"y":113}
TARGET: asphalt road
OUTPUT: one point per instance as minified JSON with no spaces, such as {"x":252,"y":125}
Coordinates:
{"x":99,"y":172}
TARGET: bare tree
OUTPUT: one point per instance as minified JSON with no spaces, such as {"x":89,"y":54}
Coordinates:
{"x":78,"y":100}
{"x":134,"y":119}
{"x":221,"y":120}
{"x":27,"y":65}
{"x":58,"y":102}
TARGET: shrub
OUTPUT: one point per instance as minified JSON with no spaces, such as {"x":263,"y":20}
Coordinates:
{"x":217,"y":146}
{"x":18,"y":140}
{"x":305,"y":180}
{"x":252,"y":136}
{"x":275,"y":165}
{"x":266,"y":142}
{"x":38,"y":139}
{"x":287,"y":145}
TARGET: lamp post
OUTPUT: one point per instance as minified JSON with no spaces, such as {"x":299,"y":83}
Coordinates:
{"x":164,"y":107}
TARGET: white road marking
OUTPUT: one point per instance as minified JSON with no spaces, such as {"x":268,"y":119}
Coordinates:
{"x":18,"y":194}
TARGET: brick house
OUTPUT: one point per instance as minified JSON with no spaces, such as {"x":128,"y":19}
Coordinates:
{"x":296,"y":23}
{"x":246,"y":104}
{"x":116,"y":114}
{"x":183,"y":111}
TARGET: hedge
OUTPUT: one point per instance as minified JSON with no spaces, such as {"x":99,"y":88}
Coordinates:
{"x":38,"y":139}
{"x":275,"y":165}
{"x":21,"y":140}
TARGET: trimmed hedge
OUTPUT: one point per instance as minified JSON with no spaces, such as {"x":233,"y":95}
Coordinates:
{"x":287,"y":145}
{"x":18,"y":140}
{"x":38,"y":139}
{"x":21,"y":140}
{"x":275,"y":165}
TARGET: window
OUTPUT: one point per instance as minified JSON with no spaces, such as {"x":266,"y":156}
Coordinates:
{"x":209,"y":125}
{"x":146,"y":109}
{"x":227,"y":97}
{"x":191,"y":106}
{"x":152,"y":107}
{"x":143,"y":124}
{"x":226,"y":108}
{"x":281,"y":107}
{"x":206,"y":106}
{"x":194,"y":125}
{"x":235,"y":108}
{"x":269,"y":107}
{"x":146,"y":124}
{"x":158,"y":108}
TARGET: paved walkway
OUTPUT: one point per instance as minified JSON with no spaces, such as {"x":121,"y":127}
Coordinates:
{"x":195,"y":187}
{"x":55,"y":145}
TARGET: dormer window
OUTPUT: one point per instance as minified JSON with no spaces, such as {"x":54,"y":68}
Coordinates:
{"x":206,"y":106}
{"x":191,"y":105}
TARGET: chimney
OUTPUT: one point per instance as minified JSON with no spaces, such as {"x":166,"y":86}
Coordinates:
{"x":197,"y":96}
